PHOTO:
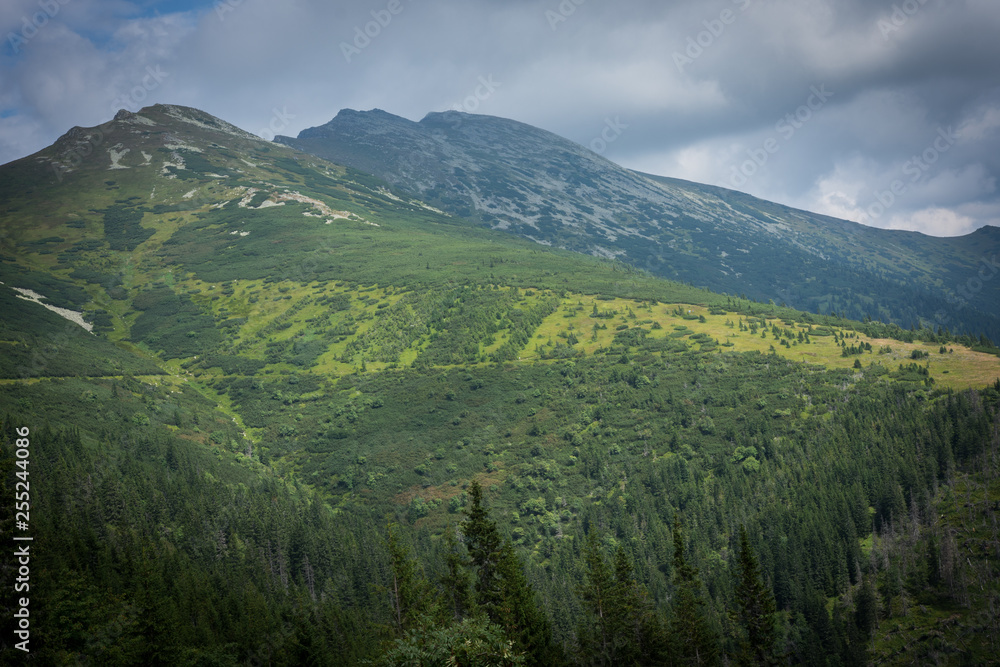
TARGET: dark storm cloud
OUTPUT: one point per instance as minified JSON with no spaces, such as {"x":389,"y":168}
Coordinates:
{"x":721,"y":92}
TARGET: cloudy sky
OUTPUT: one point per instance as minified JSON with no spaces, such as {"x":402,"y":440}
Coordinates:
{"x":882,"y":111}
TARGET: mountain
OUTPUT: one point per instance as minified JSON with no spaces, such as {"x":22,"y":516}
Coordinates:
{"x":258,"y":395}
{"x":513,"y":177}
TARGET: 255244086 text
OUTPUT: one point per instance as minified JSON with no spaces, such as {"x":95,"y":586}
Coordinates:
{"x":22,"y":550}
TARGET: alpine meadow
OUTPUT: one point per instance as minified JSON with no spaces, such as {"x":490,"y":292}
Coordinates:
{"x":465,"y":392}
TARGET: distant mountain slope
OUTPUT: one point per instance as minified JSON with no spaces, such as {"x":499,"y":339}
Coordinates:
{"x":137,"y":224}
{"x":530,"y":182}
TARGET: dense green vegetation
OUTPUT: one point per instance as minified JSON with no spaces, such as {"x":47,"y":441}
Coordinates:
{"x":163,"y":551}
{"x":378,"y":434}
{"x":173,"y":324}
{"x":177,"y":522}
{"x":37,"y":343}
{"x":122,"y":226}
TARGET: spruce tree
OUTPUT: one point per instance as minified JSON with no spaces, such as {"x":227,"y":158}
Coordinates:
{"x":693,"y":641}
{"x":596,"y":636}
{"x":456,"y":582}
{"x":412,"y":602}
{"x":866,"y":609}
{"x":502,"y":589}
{"x":520,"y":614}
{"x":623,"y":627}
{"x":756,"y":613}
{"x":484,"y":543}
{"x":639,"y":630}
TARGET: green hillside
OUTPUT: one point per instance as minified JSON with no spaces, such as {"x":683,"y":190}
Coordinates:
{"x":302,"y":385}
{"x":525,"y":181}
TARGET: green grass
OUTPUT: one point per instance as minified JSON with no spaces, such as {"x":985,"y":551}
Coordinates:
{"x":962,"y":368}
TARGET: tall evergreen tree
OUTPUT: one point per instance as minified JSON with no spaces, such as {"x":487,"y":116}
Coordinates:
{"x":502,"y":589}
{"x":639,"y":629}
{"x":756,"y":613}
{"x":484,"y":543}
{"x":693,"y":641}
{"x":456,"y":582}
{"x":866,"y":609}
{"x":596,"y":637}
{"x":412,"y":601}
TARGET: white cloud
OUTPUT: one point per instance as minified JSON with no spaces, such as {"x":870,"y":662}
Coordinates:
{"x":982,"y":125}
{"x":604,"y":61}
{"x":932,"y":221}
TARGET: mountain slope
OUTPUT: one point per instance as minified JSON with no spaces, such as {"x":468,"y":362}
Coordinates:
{"x":288,"y":355}
{"x":529,"y":182}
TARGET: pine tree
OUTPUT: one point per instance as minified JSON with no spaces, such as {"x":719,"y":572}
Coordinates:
{"x":597,"y":637}
{"x":866,"y":609}
{"x":484,"y":542}
{"x":502,"y":589}
{"x":156,"y":619}
{"x":624,"y":627}
{"x":520,"y":614}
{"x":693,"y":641}
{"x":412,"y":602}
{"x":639,"y":630}
{"x":457,"y":603}
{"x":756,"y":614}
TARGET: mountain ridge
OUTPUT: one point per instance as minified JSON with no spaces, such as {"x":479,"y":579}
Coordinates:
{"x":289,"y":354}
{"x":510,"y":176}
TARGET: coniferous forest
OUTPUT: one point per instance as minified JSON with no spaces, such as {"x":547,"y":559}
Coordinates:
{"x":152,"y":550}
{"x":314,"y":421}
